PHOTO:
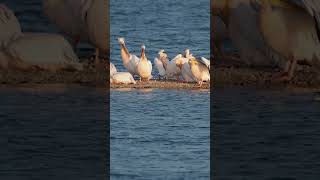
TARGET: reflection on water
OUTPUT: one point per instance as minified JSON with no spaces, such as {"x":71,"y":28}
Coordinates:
{"x":53,"y":133}
{"x":266,"y":134}
{"x":160,"y":134}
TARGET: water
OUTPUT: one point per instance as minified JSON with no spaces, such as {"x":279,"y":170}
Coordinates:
{"x":172,"y":25}
{"x":53,"y":133}
{"x":265,"y":134}
{"x":160,"y":134}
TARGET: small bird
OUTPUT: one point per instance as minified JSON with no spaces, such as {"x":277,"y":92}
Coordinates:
{"x":144,"y":67}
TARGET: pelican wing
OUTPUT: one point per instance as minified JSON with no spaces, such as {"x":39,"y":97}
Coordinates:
{"x":205,"y":61}
{"x":160,"y":67}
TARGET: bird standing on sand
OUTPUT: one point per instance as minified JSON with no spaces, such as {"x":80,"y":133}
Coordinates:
{"x":292,"y":28}
{"x":130,"y":61}
{"x":86,"y":20}
{"x":144,"y":67}
{"x":200,"y":70}
{"x":161,"y":63}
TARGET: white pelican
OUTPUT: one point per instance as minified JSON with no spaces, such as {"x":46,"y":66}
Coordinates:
{"x":86,"y":20}
{"x":172,"y":69}
{"x":292,"y":28}
{"x":9,"y":25}
{"x":122,"y":78}
{"x":185,"y":69}
{"x":200,"y":71}
{"x":241,"y":19}
{"x":220,"y":34}
{"x":112,"y":69}
{"x":46,"y":51}
{"x":161,"y":63}
{"x":130,"y":61}
{"x":144,"y":67}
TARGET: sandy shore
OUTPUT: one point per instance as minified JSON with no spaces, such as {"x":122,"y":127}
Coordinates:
{"x":160,"y":84}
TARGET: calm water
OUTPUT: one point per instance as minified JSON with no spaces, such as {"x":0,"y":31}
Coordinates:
{"x":53,"y":133}
{"x":160,"y":134}
{"x":266,"y":134}
{"x":173,"y":25}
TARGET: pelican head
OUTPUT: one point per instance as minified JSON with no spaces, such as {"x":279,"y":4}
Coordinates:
{"x":143,"y":55}
{"x":161,"y":51}
{"x":193,"y":61}
{"x":121,"y":40}
{"x":187,"y":53}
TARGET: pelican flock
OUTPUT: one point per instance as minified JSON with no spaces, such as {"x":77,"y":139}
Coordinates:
{"x":186,"y":68}
{"x":273,"y":33}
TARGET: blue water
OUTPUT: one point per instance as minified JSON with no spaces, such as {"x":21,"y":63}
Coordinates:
{"x":160,"y":134}
{"x":266,"y":134}
{"x":172,"y":25}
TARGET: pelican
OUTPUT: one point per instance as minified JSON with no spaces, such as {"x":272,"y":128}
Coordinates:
{"x":292,"y":28}
{"x":241,"y":20}
{"x":122,"y":78}
{"x":86,"y":20}
{"x":200,"y":70}
{"x":220,"y":34}
{"x":130,"y":61}
{"x":9,"y":25}
{"x":144,"y":67}
{"x":161,"y":63}
{"x":112,"y":69}
{"x":47,"y":51}
{"x":185,"y":69}
{"x":172,"y":69}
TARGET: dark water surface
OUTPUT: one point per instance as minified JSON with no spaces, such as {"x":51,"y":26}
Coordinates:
{"x":53,"y":133}
{"x":266,"y":134}
{"x":160,"y":134}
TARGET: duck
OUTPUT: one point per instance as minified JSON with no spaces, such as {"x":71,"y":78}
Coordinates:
{"x":200,"y":70}
{"x":292,"y":29}
{"x":122,"y":78}
{"x":130,"y":61}
{"x":161,"y":63}
{"x":85,"y":20}
{"x":144,"y":67}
